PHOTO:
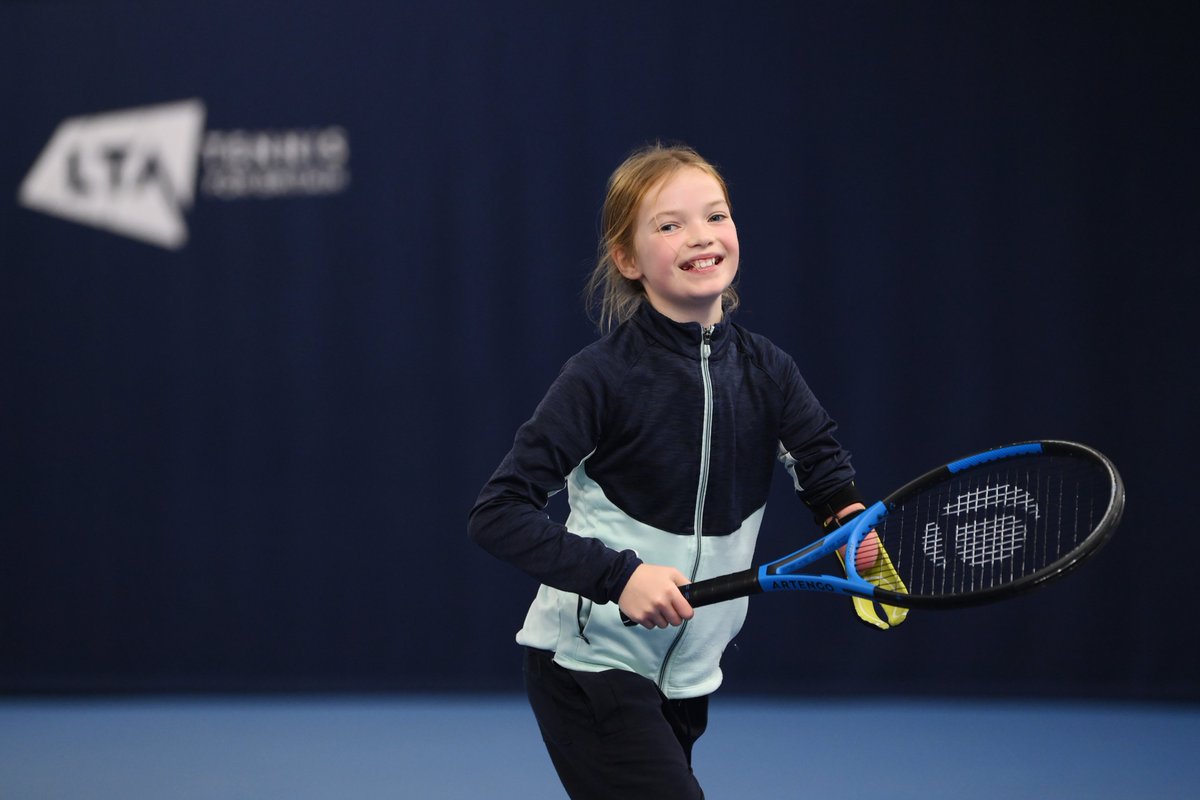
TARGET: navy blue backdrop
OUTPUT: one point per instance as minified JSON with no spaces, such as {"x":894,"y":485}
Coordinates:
{"x":243,"y":460}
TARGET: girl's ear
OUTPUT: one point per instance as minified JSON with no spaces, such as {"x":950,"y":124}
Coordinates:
{"x":625,"y":264}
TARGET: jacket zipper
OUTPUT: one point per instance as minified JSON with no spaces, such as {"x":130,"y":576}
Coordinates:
{"x":701,"y":489}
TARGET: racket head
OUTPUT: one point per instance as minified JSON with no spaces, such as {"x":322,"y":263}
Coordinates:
{"x":994,"y":524}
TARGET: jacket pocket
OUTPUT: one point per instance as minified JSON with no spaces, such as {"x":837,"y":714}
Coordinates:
{"x":583,"y":613}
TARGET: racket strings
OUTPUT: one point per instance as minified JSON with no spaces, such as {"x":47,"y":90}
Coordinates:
{"x":993,"y":526}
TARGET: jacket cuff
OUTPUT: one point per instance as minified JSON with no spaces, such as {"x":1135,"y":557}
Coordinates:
{"x":626,"y":564}
{"x":843,"y":496}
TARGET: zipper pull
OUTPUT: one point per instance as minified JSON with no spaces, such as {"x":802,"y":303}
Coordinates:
{"x":706,"y":342}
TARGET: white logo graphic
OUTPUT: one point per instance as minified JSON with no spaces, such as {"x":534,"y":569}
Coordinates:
{"x":278,"y":163}
{"x":131,"y":172}
{"x":990,"y":526}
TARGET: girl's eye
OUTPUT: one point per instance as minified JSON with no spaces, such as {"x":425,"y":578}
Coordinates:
{"x":720,"y":216}
{"x":668,"y":227}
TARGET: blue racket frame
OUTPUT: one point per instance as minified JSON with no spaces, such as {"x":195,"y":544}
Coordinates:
{"x":784,"y":574}
{"x":780,"y":575}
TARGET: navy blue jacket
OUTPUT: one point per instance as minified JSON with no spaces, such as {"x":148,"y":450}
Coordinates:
{"x":665,"y":436}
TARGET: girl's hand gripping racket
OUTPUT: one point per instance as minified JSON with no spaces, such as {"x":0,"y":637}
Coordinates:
{"x":980,"y":529}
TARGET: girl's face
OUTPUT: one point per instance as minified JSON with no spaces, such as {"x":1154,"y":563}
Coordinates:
{"x":685,"y":247}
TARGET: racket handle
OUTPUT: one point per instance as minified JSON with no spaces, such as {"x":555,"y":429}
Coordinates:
{"x":722,"y":588}
{"x":715,"y":590}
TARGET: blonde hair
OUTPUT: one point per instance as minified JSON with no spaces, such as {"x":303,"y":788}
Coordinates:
{"x":611,"y":297}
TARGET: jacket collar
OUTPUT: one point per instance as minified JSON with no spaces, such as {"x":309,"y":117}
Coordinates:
{"x":684,"y":338}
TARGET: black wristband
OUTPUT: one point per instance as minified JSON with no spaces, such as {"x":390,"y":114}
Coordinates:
{"x":846,"y":495}
{"x":833,"y":523}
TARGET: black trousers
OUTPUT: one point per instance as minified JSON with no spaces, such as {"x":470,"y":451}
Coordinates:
{"x":613,"y":735}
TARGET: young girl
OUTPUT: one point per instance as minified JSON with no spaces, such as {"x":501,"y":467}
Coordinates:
{"x":664,"y":432}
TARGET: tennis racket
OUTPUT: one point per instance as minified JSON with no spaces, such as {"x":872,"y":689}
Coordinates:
{"x":980,"y":529}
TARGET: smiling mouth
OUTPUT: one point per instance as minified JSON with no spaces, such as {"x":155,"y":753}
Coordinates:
{"x":708,"y":262}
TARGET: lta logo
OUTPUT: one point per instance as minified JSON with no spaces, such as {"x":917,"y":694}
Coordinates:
{"x":130,"y":172}
{"x":135,"y":172}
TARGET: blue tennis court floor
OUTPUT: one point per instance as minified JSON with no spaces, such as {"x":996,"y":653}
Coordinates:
{"x":479,"y":747}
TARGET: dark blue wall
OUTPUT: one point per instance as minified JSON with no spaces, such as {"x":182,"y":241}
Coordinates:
{"x":246,"y":463}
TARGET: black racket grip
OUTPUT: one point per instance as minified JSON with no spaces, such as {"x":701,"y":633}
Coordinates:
{"x":715,"y":590}
{"x":722,"y":588}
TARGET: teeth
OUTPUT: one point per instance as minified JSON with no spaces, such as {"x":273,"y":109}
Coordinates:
{"x":703,"y":263}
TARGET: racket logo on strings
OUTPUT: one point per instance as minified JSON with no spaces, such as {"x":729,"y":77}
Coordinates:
{"x":989,"y":526}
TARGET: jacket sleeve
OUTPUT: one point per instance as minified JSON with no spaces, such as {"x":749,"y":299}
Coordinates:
{"x":820,"y":467}
{"x":508,"y":519}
